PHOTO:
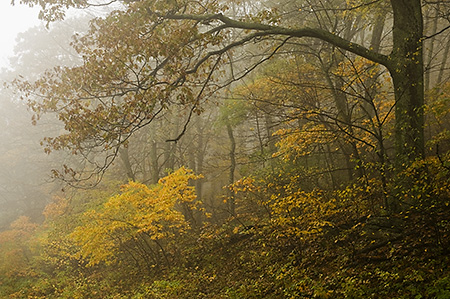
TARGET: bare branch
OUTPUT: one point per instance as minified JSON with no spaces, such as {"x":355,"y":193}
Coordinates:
{"x":267,"y":30}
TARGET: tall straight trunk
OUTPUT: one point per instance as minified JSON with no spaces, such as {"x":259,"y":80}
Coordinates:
{"x":154,"y":166}
{"x":375,"y":45}
{"x":443,"y":64}
{"x":125,"y":157}
{"x":171,"y":147}
{"x":200,"y":156}
{"x":431,"y":42}
{"x":406,"y":68}
{"x":232,"y":199}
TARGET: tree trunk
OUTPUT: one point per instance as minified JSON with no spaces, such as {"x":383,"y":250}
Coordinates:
{"x":154,"y":166}
{"x":231,"y":199}
{"x":125,"y":157}
{"x":431,"y":42}
{"x":406,"y":68}
{"x":443,"y":64}
{"x":200,"y":156}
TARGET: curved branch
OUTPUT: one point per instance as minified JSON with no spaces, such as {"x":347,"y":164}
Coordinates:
{"x":265,"y":30}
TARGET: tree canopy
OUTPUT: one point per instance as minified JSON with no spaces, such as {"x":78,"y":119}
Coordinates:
{"x":153,"y":54}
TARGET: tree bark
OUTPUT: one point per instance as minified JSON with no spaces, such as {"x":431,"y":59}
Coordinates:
{"x":406,"y":68}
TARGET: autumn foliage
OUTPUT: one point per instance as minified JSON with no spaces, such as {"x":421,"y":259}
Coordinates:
{"x":139,"y":221}
{"x":290,"y":151}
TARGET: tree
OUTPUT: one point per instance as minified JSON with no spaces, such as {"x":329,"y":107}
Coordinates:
{"x":138,"y":223}
{"x":153,"y":54}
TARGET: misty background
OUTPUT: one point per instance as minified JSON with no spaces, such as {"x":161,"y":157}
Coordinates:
{"x":29,"y":47}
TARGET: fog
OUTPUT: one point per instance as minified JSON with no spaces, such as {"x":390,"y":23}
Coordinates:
{"x":31,"y":48}
{"x":14,"y":19}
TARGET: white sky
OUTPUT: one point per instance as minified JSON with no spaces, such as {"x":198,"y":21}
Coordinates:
{"x":18,"y":18}
{"x":14,"y":19}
